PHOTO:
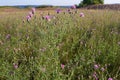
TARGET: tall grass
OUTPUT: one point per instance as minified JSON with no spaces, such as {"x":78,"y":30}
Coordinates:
{"x":88,"y":47}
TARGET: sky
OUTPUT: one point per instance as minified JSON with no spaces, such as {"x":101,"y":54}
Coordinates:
{"x":48,"y":2}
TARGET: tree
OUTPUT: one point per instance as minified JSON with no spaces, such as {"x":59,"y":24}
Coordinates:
{"x":90,"y":2}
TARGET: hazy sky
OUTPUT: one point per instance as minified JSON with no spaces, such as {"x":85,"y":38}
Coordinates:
{"x":48,"y":2}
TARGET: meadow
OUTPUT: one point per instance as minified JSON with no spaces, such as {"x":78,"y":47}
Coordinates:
{"x":73,"y":44}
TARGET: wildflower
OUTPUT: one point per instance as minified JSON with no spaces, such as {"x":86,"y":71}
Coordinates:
{"x":28,"y":18}
{"x":30,"y":14}
{"x":95,"y":76}
{"x":102,"y":69}
{"x":82,"y":15}
{"x":73,"y":7}
{"x":110,"y":78}
{"x":8,"y":36}
{"x":68,"y":10}
{"x":47,"y":18}
{"x":33,"y":10}
{"x":58,"y":11}
{"x":96,"y":66}
{"x":15,"y":65}
{"x":62,"y":66}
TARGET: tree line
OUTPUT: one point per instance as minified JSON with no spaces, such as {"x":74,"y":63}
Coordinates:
{"x":90,"y":2}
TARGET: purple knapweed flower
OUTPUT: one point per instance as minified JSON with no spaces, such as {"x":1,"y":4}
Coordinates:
{"x":96,"y":66}
{"x":73,"y":7}
{"x":8,"y":36}
{"x":95,"y":76}
{"x":102,"y":69}
{"x":110,"y":78}
{"x":82,"y":15}
{"x":30,"y":14}
{"x":15,"y":65}
{"x":33,"y":10}
{"x":68,"y":10}
{"x":62,"y":66}
{"x":28,"y":18}
{"x":47,"y":18}
{"x":58,"y":11}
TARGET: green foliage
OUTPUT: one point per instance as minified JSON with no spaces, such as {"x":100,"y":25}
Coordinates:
{"x":40,"y":47}
{"x":90,"y":2}
{"x":45,"y":6}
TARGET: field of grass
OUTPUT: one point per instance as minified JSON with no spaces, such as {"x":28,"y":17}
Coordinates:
{"x":66,"y":47}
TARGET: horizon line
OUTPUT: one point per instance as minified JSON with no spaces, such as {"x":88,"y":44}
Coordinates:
{"x":46,"y":4}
